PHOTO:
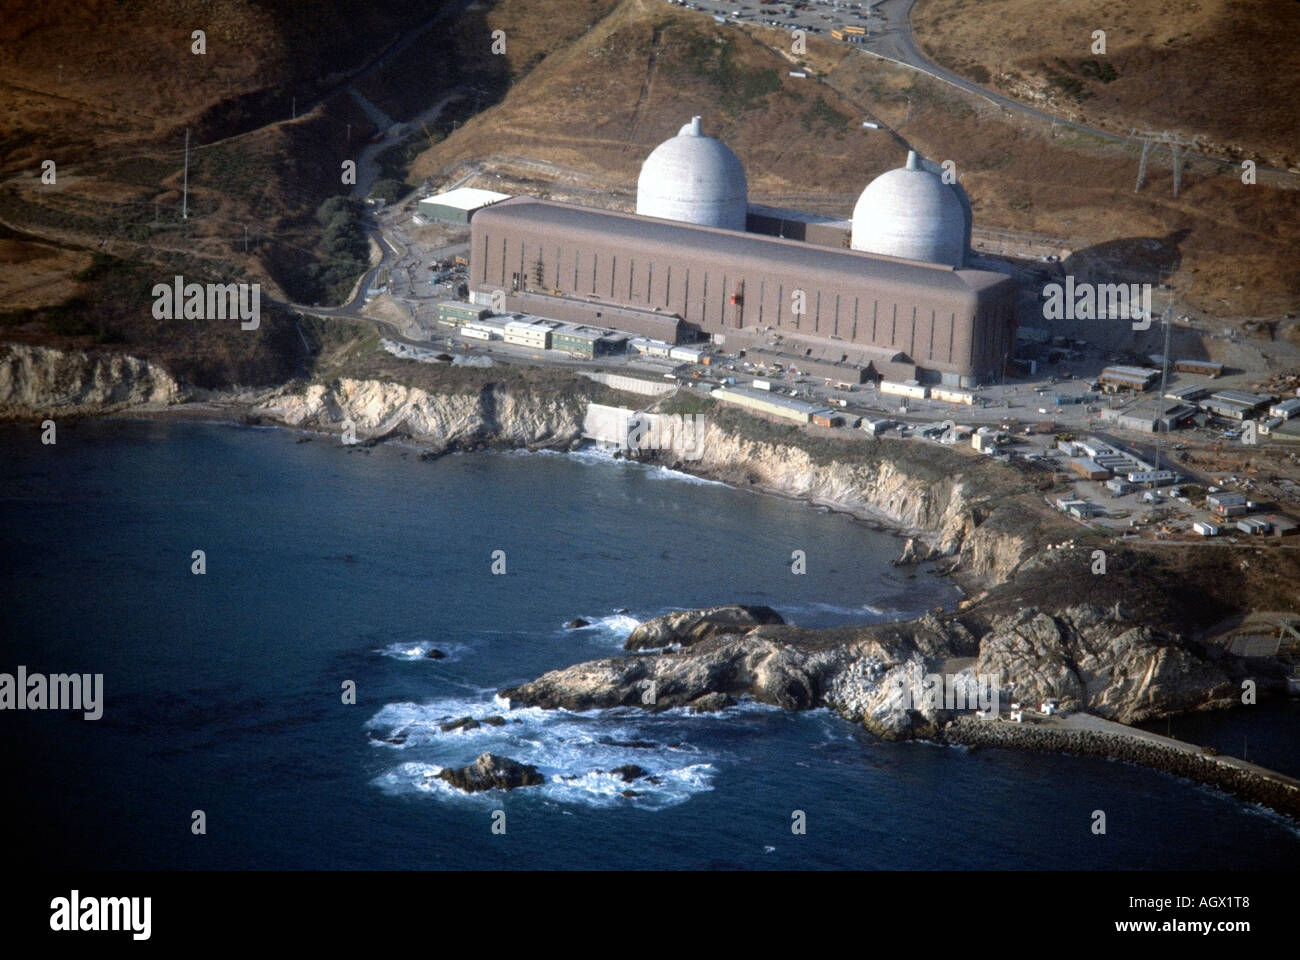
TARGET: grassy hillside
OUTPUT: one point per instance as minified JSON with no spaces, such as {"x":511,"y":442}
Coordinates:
{"x":1226,"y":69}
{"x":113,"y":120}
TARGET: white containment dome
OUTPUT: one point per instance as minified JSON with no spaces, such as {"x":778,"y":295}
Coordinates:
{"x":693,"y":178}
{"x":910,"y":212}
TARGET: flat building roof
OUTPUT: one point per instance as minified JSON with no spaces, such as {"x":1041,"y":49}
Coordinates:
{"x":673,"y":238}
{"x":466,"y":198}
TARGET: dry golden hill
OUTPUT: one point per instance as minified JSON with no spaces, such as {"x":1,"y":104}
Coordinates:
{"x":1228,"y":70}
{"x":604,"y":102}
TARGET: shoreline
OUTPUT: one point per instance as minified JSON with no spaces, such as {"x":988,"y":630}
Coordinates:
{"x":1246,"y":782}
{"x":237,"y":411}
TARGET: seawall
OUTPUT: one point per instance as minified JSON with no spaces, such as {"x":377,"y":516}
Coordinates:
{"x":1244,"y":780}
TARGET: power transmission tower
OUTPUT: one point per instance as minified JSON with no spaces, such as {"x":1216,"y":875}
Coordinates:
{"x":185,"y":191}
{"x":1178,"y":147}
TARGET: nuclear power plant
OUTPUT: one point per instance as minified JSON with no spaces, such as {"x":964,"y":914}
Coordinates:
{"x":885,"y":295}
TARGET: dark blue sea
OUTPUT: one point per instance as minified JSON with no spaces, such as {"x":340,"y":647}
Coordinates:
{"x":223,"y":692}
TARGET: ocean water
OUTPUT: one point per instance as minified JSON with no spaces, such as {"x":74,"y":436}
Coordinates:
{"x":326,"y":565}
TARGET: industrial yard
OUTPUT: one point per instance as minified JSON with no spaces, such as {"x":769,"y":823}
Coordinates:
{"x":1129,"y":445}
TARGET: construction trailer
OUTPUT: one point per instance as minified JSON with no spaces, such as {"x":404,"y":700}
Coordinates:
{"x":916,"y":391}
{"x":452,"y":313}
{"x":1202,"y":367}
{"x":1089,"y":469}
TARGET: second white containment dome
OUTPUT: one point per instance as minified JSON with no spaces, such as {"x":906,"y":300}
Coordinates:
{"x":910,"y":212}
{"x":693,"y":178}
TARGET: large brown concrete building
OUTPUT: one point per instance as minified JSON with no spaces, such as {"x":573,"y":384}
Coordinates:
{"x":956,"y":325}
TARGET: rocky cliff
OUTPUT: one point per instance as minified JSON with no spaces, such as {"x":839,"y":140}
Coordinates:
{"x":942,"y":512}
{"x":940,"y":509}
{"x":492,"y":416}
{"x":38,"y":381}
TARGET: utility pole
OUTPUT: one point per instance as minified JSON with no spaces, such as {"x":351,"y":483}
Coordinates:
{"x":185,"y":194}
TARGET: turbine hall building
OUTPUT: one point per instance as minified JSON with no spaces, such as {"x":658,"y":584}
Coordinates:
{"x":956,"y":325}
{"x":897,"y":303}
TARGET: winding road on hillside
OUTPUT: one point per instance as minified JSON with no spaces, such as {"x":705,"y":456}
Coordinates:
{"x":892,"y":38}
{"x":898,"y":43}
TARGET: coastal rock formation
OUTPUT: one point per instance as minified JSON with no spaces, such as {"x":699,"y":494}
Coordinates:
{"x":464,"y":723}
{"x":686,"y":627}
{"x":43,"y":380}
{"x":916,"y":550}
{"x":1094,"y":659}
{"x":490,"y":772}
{"x":445,"y":421}
{"x":702,"y":677}
{"x":1084,"y":657}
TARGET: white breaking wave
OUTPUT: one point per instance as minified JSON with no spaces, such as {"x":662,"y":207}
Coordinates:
{"x":617,"y":626}
{"x":419,"y":650}
{"x":598,"y":455}
{"x":577,"y":753}
{"x":663,"y":473}
{"x":858,"y":610}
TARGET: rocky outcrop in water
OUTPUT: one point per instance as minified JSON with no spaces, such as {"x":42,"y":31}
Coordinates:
{"x":704,"y":676}
{"x":490,"y":772}
{"x":45,"y":381}
{"x":1085,"y":657}
{"x":687,"y":627}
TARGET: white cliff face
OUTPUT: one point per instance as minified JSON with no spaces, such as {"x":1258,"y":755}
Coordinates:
{"x":378,"y":408}
{"x":38,"y":380}
{"x":945,"y":514}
